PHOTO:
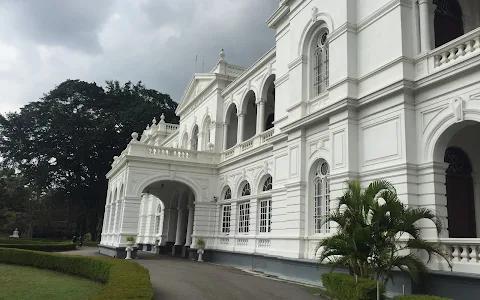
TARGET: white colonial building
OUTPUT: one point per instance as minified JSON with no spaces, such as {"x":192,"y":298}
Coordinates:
{"x":353,"y":89}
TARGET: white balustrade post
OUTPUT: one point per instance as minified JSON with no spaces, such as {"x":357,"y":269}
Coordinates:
{"x":225,"y":136}
{"x":425,"y":41}
{"x":260,"y":115}
{"x":241,"y":125}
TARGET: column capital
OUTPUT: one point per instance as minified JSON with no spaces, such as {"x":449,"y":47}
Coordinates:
{"x":260,"y":101}
{"x":241,"y":114}
{"x":423,"y":1}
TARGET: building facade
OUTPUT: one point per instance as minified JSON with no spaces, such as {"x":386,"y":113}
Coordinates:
{"x":353,"y":89}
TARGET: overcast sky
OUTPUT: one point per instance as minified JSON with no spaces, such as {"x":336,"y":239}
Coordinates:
{"x":44,"y":42}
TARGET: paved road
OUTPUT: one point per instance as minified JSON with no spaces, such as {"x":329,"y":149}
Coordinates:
{"x":176,"y":278}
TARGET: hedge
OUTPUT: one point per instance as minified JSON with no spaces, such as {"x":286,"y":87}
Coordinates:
{"x":122,"y":279}
{"x":344,"y":287}
{"x":418,"y":297}
{"x":45,"y":247}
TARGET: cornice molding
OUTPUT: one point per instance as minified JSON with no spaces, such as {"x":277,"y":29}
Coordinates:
{"x":302,"y":59}
{"x":281,"y":80}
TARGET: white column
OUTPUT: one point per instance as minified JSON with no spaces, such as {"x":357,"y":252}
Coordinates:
{"x":200,"y":142}
{"x":225,"y":136}
{"x":425,"y":41}
{"x":116,"y":217}
{"x":241,"y":125}
{"x":180,"y":228}
{"x":190,"y":225}
{"x":260,"y":115}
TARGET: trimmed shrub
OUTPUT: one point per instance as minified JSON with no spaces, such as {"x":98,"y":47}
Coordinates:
{"x":344,"y":287}
{"x":122,"y":279}
{"x":45,"y":247}
{"x":91,"y":244}
{"x":418,"y":297}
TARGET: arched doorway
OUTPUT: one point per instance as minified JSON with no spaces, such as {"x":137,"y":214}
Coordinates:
{"x":177,"y":216}
{"x":269,"y":96}
{"x":460,"y":194}
{"x":448,"y":21}
{"x":231,"y":127}
{"x":250,"y":110}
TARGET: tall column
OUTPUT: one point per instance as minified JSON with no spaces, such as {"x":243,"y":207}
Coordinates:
{"x":180,"y":227}
{"x":190,"y":225}
{"x":225,"y":136}
{"x":425,"y":42}
{"x":260,"y":115}
{"x":200,"y":146}
{"x":241,"y":125}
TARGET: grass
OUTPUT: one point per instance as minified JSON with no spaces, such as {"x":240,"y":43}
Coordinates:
{"x":19,"y":282}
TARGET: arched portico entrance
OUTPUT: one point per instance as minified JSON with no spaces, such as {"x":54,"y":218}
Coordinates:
{"x":178,"y":215}
{"x":458,"y":151}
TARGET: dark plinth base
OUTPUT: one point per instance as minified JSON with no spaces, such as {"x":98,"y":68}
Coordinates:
{"x":207,"y":255}
{"x":116,"y":252}
{"x":169,"y":247}
{"x":185,"y":252}
{"x":177,"y":250}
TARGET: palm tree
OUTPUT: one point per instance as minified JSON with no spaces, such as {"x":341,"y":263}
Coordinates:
{"x":377,"y":234}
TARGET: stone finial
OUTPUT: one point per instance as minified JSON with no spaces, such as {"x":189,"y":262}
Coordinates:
{"x":162,"y":118}
{"x":222,"y":55}
{"x":154,"y":121}
{"x":135,"y":136}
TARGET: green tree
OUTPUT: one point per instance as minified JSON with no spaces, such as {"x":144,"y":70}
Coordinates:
{"x":377,"y":234}
{"x":64,"y":143}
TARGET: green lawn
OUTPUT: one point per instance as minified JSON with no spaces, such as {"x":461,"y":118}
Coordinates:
{"x":18,"y":282}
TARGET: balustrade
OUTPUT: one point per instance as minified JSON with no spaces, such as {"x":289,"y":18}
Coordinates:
{"x":447,"y":55}
{"x":264,"y":243}
{"x":242,"y":242}
{"x":248,"y":145}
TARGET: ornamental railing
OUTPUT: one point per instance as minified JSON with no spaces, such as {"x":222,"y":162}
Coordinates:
{"x":452,"y":53}
{"x":248,"y":145}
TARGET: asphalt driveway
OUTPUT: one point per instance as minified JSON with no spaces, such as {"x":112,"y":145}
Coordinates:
{"x":176,"y":278}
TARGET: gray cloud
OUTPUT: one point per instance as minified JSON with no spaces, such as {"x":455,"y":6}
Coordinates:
{"x":46,"y":42}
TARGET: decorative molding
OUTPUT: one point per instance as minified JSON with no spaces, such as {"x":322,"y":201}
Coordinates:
{"x":302,"y":59}
{"x":457,"y":108}
{"x":282,"y":79}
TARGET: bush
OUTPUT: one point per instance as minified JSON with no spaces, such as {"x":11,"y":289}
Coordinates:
{"x":344,"y":287}
{"x":45,"y":247}
{"x":122,"y":279}
{"x":418,"y":297}
{"x":91,"y":244}
{"x":87,"y":237}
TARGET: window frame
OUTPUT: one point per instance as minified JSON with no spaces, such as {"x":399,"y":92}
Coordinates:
{"x":226,"y":219}
{"x":243,"y":217}
{"x":321,"y":198}
{"x":325,"y":66}
{"x":265,"y":216}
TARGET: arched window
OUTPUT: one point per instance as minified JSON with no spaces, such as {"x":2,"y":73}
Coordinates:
{"x":246,"y":190}
{"x":320,"y":63}
{"x":195,"y":138}
{"x":321,"y":197}
{"x":228,"y":194}
{"x":460,"y":194}
{"x":448,"y":21}
{"x":267,"y":184}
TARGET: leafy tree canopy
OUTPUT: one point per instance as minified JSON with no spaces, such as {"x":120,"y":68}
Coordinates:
{"x":65,"y":142}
